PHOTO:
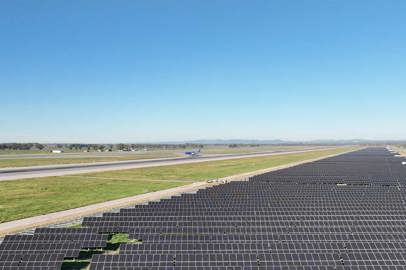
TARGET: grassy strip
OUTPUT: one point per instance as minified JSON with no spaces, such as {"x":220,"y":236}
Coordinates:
{"x":27,"y":198}
{"x":251,"y":149}
{"x":23,"y":162}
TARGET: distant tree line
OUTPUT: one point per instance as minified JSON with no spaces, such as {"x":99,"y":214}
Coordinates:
{"x":235,"y":145}
{"x":94,"y":147}
{"x":21,"y":146}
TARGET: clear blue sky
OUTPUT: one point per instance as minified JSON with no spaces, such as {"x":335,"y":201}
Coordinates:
{"x":130,"y":71}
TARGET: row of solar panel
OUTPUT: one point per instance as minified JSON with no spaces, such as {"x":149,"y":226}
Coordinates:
{"x":252,"y":259}
{"x":270,"y":237}
{"x":175,"y":248}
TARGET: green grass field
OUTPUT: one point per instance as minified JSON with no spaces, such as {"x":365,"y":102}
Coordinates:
{"x":251,"y":149}
{"x":26,"y":198}
{"x":22,"y":162}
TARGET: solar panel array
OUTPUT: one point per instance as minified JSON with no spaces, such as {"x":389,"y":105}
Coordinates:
{"x":47,"y":247}
{"x":343,"y":212}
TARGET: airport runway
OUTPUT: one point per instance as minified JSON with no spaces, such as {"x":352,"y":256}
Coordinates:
{"x":58,"y":170}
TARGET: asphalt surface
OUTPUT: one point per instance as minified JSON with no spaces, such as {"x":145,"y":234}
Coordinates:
{"x":58,"y":170}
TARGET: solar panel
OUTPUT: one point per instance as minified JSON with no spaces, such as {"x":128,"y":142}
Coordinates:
{"x":31,"y":261}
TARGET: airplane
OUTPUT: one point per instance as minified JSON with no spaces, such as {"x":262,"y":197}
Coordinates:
{"x":193,"y":153}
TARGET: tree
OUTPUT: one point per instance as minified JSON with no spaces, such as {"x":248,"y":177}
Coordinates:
{"x":39,"y":146}
{"x":120,"y":146}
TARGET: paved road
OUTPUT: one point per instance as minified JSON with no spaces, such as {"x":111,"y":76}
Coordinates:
{"x":57,"y":170}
